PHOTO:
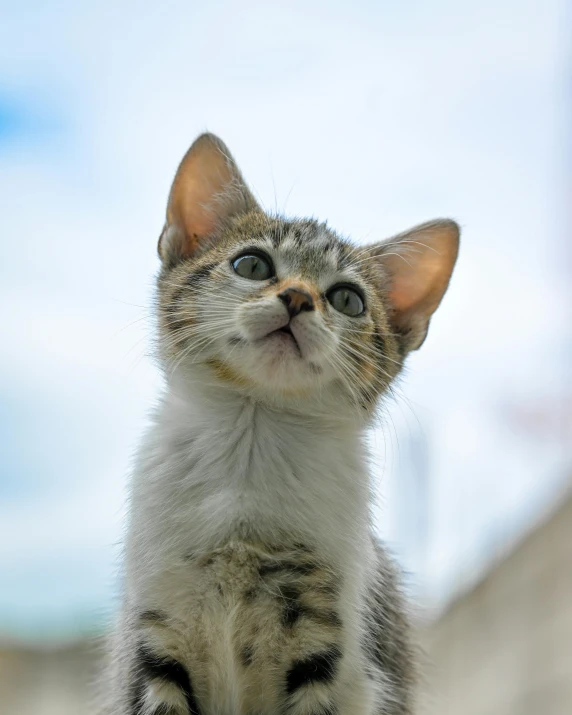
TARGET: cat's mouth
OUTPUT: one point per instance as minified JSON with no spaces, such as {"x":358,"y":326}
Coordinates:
{"x":285,"y":329}
{"x":286,"y":335}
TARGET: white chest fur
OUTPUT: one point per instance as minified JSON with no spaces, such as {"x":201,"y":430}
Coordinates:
{"x":214,"y":464}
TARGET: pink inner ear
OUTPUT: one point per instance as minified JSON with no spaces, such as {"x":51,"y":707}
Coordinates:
{"x":420,"y":285}
{"x":404,"y":293}
{"x":419,"y":264}
{"x":196,"y":213}
{"x":202,"y":177}
{"x":208,"y":189}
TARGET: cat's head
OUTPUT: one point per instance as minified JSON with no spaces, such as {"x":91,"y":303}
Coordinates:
{"x":286,"y":309}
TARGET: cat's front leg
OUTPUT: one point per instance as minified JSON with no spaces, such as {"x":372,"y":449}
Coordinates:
{"x":157,"y":681}
{"x":319,"y":691}
{"x":161,"y":686}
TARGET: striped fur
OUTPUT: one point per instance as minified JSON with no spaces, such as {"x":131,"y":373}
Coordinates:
{"x":253,"y":583}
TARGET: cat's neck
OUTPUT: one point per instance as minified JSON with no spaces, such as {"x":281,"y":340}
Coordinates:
{"x":216,"y":458}
{"x":198,"y":407}
{"x":320,"y":408}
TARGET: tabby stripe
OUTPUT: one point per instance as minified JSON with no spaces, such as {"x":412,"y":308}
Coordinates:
{"x":379,"y":343}
{"x":201,"y":272}
{"x":247,"y":655}
{"x":293,"y":566}
{"x":294,"y":610}
{"x":278,"y":234}
{"x":318,"y":668}
{"x":152,"y":616}
{"x":171,"y":671}
{"x":172,"y":317}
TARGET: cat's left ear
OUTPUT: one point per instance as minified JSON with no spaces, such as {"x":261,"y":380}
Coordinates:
{"x":208,"y":189}
{"x":416,"y":267}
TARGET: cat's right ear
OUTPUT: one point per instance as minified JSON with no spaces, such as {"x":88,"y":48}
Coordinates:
{"x":208,"y":189}
{"x":417,"y":267}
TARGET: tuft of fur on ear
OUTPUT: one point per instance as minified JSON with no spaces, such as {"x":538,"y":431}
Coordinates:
{"x":208,"y":189}
{"x":417,"y":267}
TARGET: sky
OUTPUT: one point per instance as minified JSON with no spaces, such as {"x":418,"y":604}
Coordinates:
{"x":372,"y":115}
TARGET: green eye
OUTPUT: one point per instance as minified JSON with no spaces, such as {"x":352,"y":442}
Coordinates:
{"x":346,"y":300}
{"x":255,"y":266}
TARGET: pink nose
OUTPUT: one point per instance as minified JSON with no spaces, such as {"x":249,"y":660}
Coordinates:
{"x":296,"y":300}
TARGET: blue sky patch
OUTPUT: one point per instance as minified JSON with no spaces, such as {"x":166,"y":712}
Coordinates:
{"x":28,"y":120}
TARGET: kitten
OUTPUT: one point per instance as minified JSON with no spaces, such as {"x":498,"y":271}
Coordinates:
{"x":253,"y":582}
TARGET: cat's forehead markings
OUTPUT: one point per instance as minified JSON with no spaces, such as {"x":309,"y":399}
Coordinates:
{"x":311,"y":245}
{"x":308,"y":261}
{"x":303,"y":245}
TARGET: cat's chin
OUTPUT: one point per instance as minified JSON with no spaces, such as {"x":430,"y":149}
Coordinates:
{"x":282,"y":344}
{"x":275,"y":363}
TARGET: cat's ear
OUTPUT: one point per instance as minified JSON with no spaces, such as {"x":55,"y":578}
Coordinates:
{"x":417,"y":266}
{"x":208,"y":189}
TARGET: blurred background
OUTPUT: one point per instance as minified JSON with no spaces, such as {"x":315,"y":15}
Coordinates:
{"x":374,"y":116}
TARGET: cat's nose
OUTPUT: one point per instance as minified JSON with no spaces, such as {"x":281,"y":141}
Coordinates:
{"x":296,"y":300}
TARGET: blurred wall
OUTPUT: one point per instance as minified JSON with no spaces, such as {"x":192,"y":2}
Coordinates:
{"x":505,"y":647}
{"x":48,"y":681}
